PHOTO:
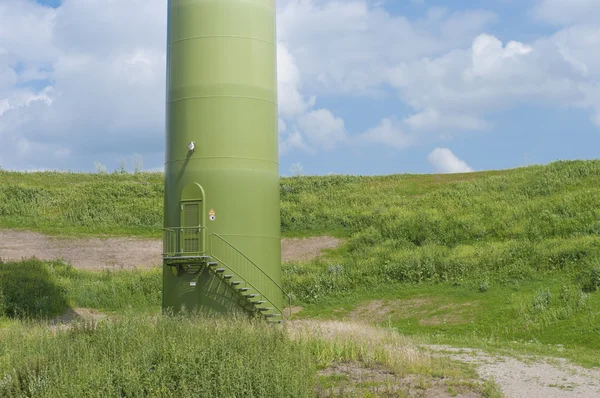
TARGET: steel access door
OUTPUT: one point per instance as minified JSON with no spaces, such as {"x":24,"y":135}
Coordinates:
{"x":191,"y":229}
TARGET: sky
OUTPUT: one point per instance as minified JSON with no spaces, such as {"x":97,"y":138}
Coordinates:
{"x":366,"y":87}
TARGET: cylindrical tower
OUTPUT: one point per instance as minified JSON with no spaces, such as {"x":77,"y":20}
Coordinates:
{"x":222,"y":229}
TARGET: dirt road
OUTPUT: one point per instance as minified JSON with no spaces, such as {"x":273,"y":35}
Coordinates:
{"x":115,"y":253}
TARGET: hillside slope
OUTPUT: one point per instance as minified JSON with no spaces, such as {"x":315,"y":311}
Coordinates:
{"x":131,"y":204}
{"x":501,"y":256}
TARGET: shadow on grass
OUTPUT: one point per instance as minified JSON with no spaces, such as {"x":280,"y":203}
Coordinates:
{"x":29,"y":289}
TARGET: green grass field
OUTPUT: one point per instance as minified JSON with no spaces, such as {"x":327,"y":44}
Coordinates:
{"x":503,"y":260}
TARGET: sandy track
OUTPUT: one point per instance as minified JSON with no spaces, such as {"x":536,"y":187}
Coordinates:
{"x":533,"y":378}
{"x":115,"y":253}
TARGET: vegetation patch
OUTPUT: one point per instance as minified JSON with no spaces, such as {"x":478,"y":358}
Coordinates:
{"x":497,"y":260}
{"x":427,"y":311}
{"x":154,"y":357}
{"x":190,"y":356}
{"x":45,"y":289}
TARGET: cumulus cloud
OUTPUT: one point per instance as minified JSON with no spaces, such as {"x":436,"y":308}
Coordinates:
{"x":344,"y":47}
{"x":291,"y":102}
{"x":322,"y":129}
{"x":85,"y":81}
{"x":568,"y":12}
{"x":389,"y":132}
{"x":348,"y":51}
{"x":311,"y":130}
{"x":457,"y":90}
{"x":444,"y":161}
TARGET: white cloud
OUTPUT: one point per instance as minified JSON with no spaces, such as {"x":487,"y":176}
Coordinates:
{"x":349,"y":50}
{"x":456,"y":91}
{"x":346,"y":46}
{"x":444,"y":161}
{"x":568,"y":12}
{"x":103,"y":64}
{"x":389,"y":133}
{"x":291,"y":102}
{"x":85,"y":81}
{"x":322,"y":129}
{"x":490,"y":58}
{"x":311,"y":129}
{"x":294,"y":141}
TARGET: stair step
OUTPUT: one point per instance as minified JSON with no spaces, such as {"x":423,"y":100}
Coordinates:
{"x":227,"y":276}
{"x":212,"y":264}
{"x":258,"y":302}
{"x":236,"y":283}
{"x":244,"y":289}
{"x":220,"y":270}
{"x":250,"y":295}
{"x":272,"y":315}
{"x":264,"y":308}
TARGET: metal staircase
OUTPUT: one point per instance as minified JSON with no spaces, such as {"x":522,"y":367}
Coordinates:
{"x":258,"y":294}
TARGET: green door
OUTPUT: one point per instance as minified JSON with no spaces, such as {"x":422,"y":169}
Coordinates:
{"x":191,"y":229}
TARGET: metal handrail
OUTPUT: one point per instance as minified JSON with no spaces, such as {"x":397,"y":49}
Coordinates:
{"x":172,"y":240}
{"x":217,"y":236}
{"x":253,"y":287}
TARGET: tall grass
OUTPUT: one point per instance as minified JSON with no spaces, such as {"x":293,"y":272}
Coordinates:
{"x":201,"y":356}
{"x":522,"y":225}
{"x":78,"y":203}
{"x":153,"y":357}
{"x":131,"y":204}
{"x":40,"y":290}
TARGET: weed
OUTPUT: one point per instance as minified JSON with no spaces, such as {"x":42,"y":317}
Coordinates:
{"x":590,"y":280}
{"x":484,"y":286}
{"x":541,"y":300}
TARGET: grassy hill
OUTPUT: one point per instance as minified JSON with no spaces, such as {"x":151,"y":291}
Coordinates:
{"x":501,"y":260}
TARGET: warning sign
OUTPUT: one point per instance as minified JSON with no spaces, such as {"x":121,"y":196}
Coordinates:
{"x":212,"y":215}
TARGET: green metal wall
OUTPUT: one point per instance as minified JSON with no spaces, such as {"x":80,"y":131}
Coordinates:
{"x":222,"y":95}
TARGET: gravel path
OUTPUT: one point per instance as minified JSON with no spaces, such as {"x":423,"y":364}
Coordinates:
{"x":115,"y":253}
{"x":534,"y":378}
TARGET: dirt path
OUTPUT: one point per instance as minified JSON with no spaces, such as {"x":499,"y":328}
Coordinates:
{"x":532,"y":378}
{"x":115,"y":253}
{"x":302,"y":249}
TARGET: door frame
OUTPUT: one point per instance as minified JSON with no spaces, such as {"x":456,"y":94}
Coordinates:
{"x":194,"y":193}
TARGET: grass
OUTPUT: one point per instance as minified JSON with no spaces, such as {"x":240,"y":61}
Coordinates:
{"x":82,"y":204}
{"x":33,"y":289}
{"x":549,"y":318}
{"x":190,"y":356}
{"x":61,"y":203}
{"x":136,"y":352}
{"x":154,"y":357}
{"x":506,"y":259}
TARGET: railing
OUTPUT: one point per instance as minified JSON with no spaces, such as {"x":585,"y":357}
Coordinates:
{"x":236,"y":261}
{"x":184,"y":242}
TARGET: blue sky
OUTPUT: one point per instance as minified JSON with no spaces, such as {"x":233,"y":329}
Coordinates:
{"x":417,"y":86}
